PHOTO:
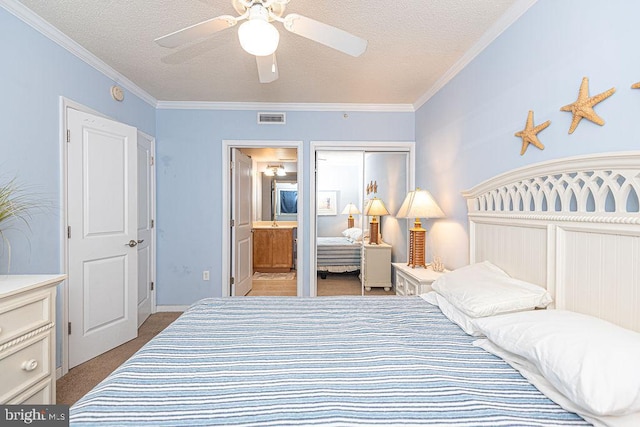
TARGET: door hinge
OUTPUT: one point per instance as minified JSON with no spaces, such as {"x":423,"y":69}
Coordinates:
{"x":68,"y":135}
{"x":152,"y":286}
{"x":68,"y":232}
{"x":153,"y":223}
{"x":69,"y":328}
{"x":231,"y":165}
{"x":152,"y":160}
{"x":232,"y":280}
{"x":233,"y":222}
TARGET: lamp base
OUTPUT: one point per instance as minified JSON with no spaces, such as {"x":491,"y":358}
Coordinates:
{"x":416,"y":247}
{"x":373,"y":233}
{"x":350,"y":222}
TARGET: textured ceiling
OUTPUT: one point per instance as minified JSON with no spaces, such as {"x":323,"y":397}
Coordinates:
{"x":412,"y":44}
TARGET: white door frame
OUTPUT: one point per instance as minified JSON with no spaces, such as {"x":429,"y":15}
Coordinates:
{"x":226,"y":203}
{"x":369,"y":146}
{"x":152,"y":244}
{"x":64,"y":105}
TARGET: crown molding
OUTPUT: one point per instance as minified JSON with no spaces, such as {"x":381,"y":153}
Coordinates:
{"x":45,"y":28}
{"x":189,"y":105}
{"x":506,"y":20}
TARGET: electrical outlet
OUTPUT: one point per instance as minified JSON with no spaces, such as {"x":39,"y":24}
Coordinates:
{"x":205,"y":275}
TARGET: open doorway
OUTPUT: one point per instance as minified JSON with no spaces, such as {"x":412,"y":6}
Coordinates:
{"x":265,"y":198}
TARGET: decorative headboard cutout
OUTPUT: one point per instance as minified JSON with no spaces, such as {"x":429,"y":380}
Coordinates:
{"x":570,"y":225}
{"x":570,"y":186}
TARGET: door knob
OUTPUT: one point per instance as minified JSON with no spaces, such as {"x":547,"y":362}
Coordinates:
{"x":131,"y":243}
{"x":140,"y":241}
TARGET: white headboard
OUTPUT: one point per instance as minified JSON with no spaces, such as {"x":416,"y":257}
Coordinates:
{"x":570,"y":225}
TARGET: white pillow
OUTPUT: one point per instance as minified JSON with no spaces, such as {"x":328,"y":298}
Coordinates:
{"x":482,"y":289}
{"x":593,"y":363}
{"x":452,"y":313}
{"x":533,"y":375}
{"x":354,"y":233}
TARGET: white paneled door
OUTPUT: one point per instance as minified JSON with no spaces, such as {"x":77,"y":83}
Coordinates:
{"x":145,"y":227}
{"x":242,"y":250}
{"x":102,"y":217}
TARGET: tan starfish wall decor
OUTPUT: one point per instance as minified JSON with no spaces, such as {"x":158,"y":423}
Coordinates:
{"x":583,"y":107}
{"x":529,"y":133}
{"x":635,"y":86}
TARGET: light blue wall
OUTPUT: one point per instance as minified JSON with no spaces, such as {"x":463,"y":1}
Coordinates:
{"x":35,"y":73}
{"x":465,"y":133}
{"x":189,"y":183}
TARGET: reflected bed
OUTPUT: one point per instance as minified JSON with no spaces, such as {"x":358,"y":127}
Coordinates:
{"x":338,"y":255}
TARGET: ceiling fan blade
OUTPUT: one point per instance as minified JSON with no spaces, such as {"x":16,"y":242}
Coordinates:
{"x":326,"y":34}
{"x":267,"y":68}
{"x":197,"y":31}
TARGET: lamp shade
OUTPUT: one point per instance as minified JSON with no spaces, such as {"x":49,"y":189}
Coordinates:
{"x":375,"y":207}
{"x":350,"y":209}
{"x":419,"y":204}
{"x":257,"y":36}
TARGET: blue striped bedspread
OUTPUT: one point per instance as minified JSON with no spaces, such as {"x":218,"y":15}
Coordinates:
{"x":338,"y":251}
{"x":278,"y":361}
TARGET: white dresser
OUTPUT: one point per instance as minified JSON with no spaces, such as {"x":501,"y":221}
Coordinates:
{"x":28,"y":338}
{"x":413,"y":281}
{"x":376,"y":266}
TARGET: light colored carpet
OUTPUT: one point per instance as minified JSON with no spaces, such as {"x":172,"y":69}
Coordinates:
{"x":274,"y":276}
{"x":82,"y":378}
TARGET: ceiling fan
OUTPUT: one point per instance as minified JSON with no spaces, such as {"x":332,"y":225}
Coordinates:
{"x":260,"y":38}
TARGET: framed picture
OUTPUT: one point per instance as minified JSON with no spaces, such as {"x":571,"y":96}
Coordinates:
{"x":326,"y":202}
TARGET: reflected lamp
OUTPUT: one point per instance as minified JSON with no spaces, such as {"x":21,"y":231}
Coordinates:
{"x":375,"y":208}
{"x":351,"y":210}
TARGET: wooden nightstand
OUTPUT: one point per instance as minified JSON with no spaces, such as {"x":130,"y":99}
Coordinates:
{"x":376,"y":266}
{"x":414,"y":281}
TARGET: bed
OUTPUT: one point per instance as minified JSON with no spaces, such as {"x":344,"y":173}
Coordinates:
{"x":379,"y":360}
{"x":398,"y":360}
{"x":337,"y":255}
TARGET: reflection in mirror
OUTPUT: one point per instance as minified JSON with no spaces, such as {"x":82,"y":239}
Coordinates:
{"x":338,"y":245}
{"x":285,"y":201}
{"x":357,"y":177}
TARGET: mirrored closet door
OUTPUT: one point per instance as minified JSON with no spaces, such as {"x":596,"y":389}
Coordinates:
{"x":357,"y":234}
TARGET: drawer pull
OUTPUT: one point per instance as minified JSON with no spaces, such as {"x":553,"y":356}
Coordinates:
{"x":29,"y":365}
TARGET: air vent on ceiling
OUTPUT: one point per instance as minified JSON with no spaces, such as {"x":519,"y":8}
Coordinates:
{"x":271,"y":118}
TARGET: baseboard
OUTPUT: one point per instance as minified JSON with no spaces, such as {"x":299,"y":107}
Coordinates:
{"x":171,"y":308}
{"x":58,"y":372}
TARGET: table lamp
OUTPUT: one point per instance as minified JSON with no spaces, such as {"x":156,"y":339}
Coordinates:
{"x":418,"y":204}
{"x":350,"y":209}
{"x":374,"y":208}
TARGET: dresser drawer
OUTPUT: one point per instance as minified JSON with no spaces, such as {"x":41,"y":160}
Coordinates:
{"x":23,"y":314}
{"x":412,"y":289}
{"x":39,"y":394}
{"x":24,"y":365}
{"x":401,"y":284}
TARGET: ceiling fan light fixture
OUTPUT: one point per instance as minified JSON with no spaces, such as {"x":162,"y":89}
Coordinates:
{"x":257,"y":36}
